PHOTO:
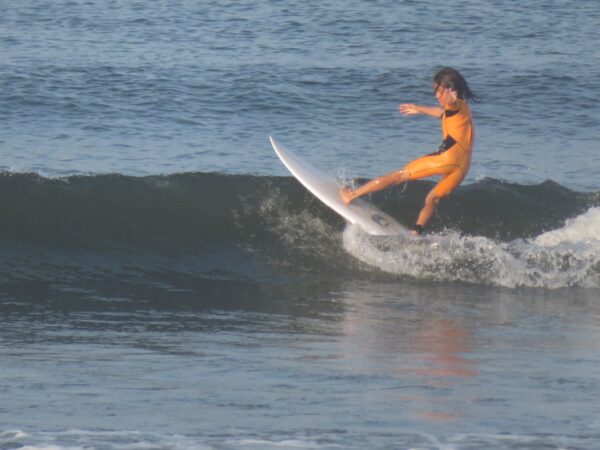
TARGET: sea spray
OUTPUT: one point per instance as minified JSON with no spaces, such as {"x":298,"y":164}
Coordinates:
{"x":567,"y":257}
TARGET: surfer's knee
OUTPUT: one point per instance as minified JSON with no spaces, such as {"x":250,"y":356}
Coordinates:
{"x":402,"y":176}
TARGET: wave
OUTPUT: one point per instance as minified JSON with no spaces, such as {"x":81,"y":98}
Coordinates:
{"x":261,"y":229}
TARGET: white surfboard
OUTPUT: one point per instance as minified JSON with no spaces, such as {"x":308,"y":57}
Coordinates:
{"x":325,"y":188}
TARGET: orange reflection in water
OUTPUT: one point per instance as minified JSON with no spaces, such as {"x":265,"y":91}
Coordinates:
{"x":433,"y":350}
{"x":443,"y":343}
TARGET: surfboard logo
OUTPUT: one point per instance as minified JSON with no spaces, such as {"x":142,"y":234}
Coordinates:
{"x":380,"y":220}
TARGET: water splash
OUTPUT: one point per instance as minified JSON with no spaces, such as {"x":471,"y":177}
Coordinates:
{"x":566,"y":257}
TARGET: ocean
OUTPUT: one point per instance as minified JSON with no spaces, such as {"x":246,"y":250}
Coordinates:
{"x":165,"y":283}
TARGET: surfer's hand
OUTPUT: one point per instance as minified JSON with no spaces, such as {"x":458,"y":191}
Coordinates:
{"x":409,"y":109}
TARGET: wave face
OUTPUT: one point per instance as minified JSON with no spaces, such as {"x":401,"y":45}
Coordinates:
{"x":270,"y":230}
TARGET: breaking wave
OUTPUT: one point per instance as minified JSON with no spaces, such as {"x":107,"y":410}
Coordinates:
{"x":257,"y":229}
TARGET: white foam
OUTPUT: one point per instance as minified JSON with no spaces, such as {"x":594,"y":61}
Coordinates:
{"x":583,"y":228}
{"x":49,"y":447}
{"x":12,"y":435}
{"x":287,"y":443}
{"x":566,"y":257}
{"x":75,"y":439}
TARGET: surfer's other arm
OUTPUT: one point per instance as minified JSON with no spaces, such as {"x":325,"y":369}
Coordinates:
{"x":410,"y":109}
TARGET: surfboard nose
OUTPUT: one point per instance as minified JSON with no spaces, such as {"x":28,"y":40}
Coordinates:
{"x":327,"y":189}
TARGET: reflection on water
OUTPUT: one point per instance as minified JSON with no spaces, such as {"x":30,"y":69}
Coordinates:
{"x":417,"y":342}
{"x":431,"y":344}
{"x":442,"y":346}
{"x":367,"y":365}
{"x":443,"y":342}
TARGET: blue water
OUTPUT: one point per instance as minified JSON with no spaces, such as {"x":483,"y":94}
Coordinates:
{"x":164,"y":283}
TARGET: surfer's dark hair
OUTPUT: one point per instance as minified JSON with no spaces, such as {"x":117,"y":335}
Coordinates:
{"x":452,"y":79}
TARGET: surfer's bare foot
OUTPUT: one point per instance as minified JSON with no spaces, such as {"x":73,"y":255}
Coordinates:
{"x":346,"y":195}
{"x":416,"y":230}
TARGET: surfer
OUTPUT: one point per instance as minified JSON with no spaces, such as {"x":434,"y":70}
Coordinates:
{"x":453,"y":158}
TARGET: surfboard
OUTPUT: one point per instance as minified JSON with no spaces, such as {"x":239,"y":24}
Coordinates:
{"x":371,"y":219}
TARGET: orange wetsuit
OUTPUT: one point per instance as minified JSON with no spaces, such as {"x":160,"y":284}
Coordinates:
{"x":453,"y":159}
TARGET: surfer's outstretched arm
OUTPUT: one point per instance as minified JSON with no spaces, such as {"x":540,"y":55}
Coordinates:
{"x":410,"y":109}
{"x":376,"y":184}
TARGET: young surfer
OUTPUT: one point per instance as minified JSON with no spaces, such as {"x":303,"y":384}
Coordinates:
{"x":453,"y":158}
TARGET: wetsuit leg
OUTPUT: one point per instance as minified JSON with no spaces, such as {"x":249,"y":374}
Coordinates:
{"x":450,"y":182}
{"x":428,"y":166}
{"x":432,"y":165}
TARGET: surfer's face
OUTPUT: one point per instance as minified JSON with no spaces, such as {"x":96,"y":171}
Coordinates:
{"x":444,"y":95}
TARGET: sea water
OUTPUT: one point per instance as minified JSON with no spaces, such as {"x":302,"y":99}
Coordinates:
{"x":166,"y":284}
